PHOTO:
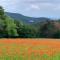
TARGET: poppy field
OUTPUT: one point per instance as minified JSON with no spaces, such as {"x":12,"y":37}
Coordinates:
{"x":29,"y":49}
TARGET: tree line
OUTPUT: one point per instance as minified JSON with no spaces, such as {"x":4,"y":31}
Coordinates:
{"x":10,"y":28}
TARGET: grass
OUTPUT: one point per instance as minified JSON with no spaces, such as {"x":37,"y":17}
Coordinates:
{"x":18,"y":49}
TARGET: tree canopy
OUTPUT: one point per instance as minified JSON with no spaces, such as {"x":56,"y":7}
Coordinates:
{"x":11,"y":28}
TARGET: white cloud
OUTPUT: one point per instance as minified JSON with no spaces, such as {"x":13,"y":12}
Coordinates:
{"x":57,"y":7}
{"x":18,"y":4}
{"x":43,"y":6}
{"x":9,"y":5}
{"x":34,"y":6}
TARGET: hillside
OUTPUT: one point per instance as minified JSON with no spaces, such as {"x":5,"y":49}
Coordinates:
{"x":26,"y":19}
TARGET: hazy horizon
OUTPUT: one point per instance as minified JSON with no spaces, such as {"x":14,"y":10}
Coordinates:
{"x":33,"y":8}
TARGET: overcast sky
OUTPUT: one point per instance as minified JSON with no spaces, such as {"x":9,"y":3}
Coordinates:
{"x":33,"y":8}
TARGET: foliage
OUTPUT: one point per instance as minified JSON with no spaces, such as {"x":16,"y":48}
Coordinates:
{"x":7,"y":25}
{"x":57,"y":34}
{"x":10,"y":28}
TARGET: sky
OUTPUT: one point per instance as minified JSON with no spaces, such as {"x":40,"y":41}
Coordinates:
{"x":33,"y":8}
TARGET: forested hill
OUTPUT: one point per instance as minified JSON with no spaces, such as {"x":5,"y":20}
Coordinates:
{"x":26,"y":19}
{"x":12,"y":27}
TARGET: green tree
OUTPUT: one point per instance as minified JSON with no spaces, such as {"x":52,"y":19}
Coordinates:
{"x":7,"y":25}
{"x":10,"y":27}
{"x":25,"y":30}
{"x":2,"y":13}
{"x":47,"y":29}
{"x":56,"y":34}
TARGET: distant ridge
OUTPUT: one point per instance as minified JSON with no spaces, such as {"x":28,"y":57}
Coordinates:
{"x":26,"y":19}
